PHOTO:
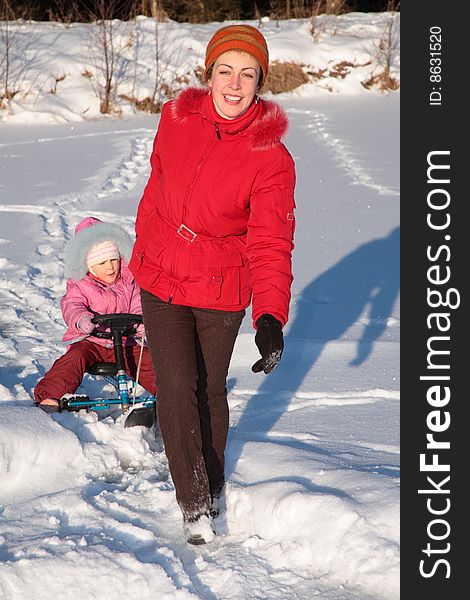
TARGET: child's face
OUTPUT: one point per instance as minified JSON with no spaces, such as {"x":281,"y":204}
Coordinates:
{"x":107,"y":271}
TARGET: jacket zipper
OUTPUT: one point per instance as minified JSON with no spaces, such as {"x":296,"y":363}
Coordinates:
{"x":190,"y":188}
{"x":197,"y":171}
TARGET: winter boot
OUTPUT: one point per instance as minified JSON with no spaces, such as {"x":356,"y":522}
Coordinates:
{"x":200,"y":531}
{"x":215,"y":507}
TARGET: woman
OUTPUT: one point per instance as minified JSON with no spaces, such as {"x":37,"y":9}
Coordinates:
{"x":214,"y":230}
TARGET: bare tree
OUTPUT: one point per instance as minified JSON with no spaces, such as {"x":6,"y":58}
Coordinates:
{"x":158,"y":71}
{"x":16,"y":56}
{"x":328,"y":9}
{"x":63,"y":12}
{"x":110,"y":64}
{"x":161,"y":90}
{"x":388,"y":46}
{"x":8,"y":39}
{"x":385,"y":51}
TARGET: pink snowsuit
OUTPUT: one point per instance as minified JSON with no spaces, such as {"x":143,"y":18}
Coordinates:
{"x":91,"y":296}
{"x":88,"y":295}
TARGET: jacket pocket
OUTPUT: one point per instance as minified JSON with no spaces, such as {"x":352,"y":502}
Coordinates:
{"x":282,"y":222}
{"x":220,"y":280}
{"x":150,"y":253}
{"x":145,"y":264}
{"x":236,"y":285}
{"x":137,"y":256}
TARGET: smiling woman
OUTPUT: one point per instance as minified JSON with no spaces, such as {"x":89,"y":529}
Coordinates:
{"x":214,"y":230}
{"x":234,"y":82}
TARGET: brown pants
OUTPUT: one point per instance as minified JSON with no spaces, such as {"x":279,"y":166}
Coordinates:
{"x":191,"y":350}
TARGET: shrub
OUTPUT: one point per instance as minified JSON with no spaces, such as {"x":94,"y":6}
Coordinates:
{"x":284,"y":77}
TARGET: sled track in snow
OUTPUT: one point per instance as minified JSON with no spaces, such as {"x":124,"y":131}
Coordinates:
{"x":31,"y":322}
{"x":124,"y":177}
{"x":46,"y":140}
{"x":318,"y":124}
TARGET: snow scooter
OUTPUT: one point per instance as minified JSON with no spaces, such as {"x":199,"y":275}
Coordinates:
{"x":120,"y":325}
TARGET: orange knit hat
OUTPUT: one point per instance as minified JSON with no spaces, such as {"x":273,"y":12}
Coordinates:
{"x":239,"y":37}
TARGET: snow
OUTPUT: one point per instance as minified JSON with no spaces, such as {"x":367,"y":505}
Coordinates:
{"x":87,"y":507}
{"x":55,"y":73}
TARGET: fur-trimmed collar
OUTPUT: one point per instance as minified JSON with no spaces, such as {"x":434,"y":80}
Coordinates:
{"x":263,"y":133}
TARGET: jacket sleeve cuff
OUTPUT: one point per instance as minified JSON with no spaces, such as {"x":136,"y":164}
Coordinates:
{"x":281,"y":318}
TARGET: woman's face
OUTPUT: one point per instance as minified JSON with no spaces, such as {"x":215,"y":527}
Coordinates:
{"x":234,"y":82}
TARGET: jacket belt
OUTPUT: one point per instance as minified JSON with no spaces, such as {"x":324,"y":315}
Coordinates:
{"x":187,"y":234}
{"x":190,"y":236}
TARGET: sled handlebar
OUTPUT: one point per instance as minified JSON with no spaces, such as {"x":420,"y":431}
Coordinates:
{"x":120,"y":324}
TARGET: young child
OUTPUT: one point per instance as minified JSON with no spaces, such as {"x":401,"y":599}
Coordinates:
{"x":98,"y":282}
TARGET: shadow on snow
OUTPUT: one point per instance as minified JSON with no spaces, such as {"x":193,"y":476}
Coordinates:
{"x":364,"y":283}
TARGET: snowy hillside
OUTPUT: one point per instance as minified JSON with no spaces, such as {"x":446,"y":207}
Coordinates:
{"x":57,"y":73}
{"x":87,"y":508}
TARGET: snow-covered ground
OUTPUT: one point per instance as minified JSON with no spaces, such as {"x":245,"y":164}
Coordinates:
{"x":56,"y":73}
{"x":87,"y":508}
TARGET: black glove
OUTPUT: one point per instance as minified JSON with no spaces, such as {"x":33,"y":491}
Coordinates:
{"x":270,"y":342}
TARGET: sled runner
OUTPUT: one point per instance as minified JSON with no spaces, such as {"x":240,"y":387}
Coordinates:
{"x":142,"y":408}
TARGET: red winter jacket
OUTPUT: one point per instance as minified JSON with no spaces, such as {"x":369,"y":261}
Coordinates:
{"x":216,"y":222}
